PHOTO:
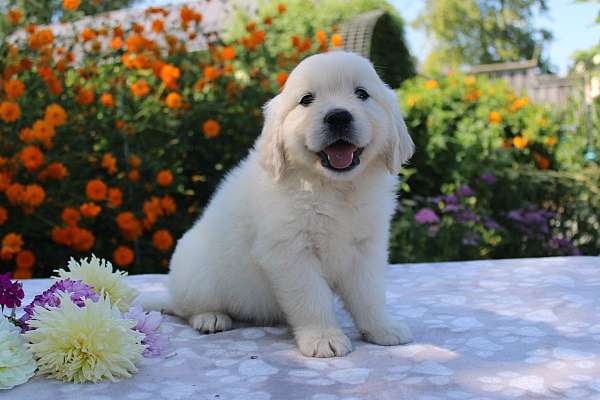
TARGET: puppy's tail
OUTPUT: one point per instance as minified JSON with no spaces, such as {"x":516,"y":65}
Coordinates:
{"x":156,"y":300}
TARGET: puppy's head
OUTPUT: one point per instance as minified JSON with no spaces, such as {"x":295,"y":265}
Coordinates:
{"x":334,"y":117}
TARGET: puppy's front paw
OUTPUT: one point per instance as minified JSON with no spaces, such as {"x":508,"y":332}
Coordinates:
{"x":210,"y":322}
{"x":323,"y":343}
{"x":390,"y":334}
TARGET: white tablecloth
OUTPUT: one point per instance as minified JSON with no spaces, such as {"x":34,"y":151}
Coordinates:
{"x":522,"y":329}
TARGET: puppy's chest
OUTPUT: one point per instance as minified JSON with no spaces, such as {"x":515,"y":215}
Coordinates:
{"x":335,"y":220}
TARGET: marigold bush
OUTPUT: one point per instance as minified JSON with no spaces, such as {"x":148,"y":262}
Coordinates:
{"x":113,"y":140}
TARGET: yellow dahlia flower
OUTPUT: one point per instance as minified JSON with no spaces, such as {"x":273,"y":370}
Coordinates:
{"x":16,"y":362}
{"x":99,"y":274}
{"x":84,"y":344}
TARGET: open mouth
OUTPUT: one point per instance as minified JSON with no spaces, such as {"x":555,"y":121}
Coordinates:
{"x":340,"y":156}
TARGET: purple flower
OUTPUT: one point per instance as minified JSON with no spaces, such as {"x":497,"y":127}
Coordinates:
{"x":489,"y":179}
{"x":148,"y":324}
{"x":450,"y":199}
{"x":564,"y":245}
{"x":426,"y":216}
{"x":466,"y":216}
{"x":465,"y":191}
{"x":11,"y":293}
{"x":78,"y":290}
{"x":451,"y":208}
{"x":491,"y":224}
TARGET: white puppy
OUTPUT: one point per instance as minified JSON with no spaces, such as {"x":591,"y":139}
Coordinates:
{"x":305,"y":215}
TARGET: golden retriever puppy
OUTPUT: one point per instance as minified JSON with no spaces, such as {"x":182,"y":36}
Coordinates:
{"x":304,"y":216}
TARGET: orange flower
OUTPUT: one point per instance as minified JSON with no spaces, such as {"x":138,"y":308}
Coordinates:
{"x":123,"y":256}
{"x":494,"y":117}
{"x":211,"y":128}
{"x":88,"y":34}
{"x":11,"y":244}
{"x":90,"y":210}
{"x":188,"y":15}
{"x":258,"y":37}
{"x":83,"y":239}
{"x":85,"y":96}
{"x":3,"y":215}
{"x":71,"y":5}
{"x":162,"y":240}
{"x":210,"y":73}
{"x":228,"y":53}
{"x":54,"y":170}
{"x":251,"y":26}
{"x":550,"y":141}
{"x":4,"y":181}
{"x":140,"y":88}
{"x":116,"y":43}
{"x":134,"y":161}
{"x":337,"y":40}
{"x":96,"y":190}
{"x":43,"y":131}
{"x":168,"y":205}
{"x":268,"y":20}
{"x":9,"y":111}
{"x":34,"y":195}
{"x":14,"y":16}
{"x":107,"y":100}
{"x":55,"y":115}
{"x":134,"y":175}
{"x":173,"y":100}
{"x":431,"y":84}
{"x":541,"y":161}
{"x":164,"y":177}
{"x":281,"y":8}
{"x":470,"y":80}
{"x":282,"y":78}
{"x":130,"y":226}
{"x":321,"y":37}
{"x":31,"y":157}
{"x":25,"y":260}
{"x":115,"y":197}
{"x":169,"y":74}
{"x":519,"y":103}
{"x":474,"y":95}
{"x":14,"y":193}
{"x":158,"y":26}
{"x":109,"y":162}
{"x":70,"y":216}
{"x":14,"y":88}
{"x":520,"y":142}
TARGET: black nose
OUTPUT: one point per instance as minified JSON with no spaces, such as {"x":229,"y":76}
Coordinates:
{"x":338,"y":118}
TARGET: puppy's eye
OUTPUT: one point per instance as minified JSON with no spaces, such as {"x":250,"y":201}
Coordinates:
{"x":307,"y":99}
{"x":361,"y":93}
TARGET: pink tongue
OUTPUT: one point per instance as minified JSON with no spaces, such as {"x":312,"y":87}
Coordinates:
{"x":340,"y":154}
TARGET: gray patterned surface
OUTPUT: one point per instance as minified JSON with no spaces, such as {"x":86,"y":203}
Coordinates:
{"x":511,"y":329}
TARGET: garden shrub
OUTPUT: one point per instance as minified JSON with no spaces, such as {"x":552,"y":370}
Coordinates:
{"x":118,"y":152}
{"x":486,"y":181}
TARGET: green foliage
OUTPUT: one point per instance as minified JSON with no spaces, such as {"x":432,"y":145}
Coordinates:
{"x":471,"y":32}
{"x":490,"y":167}
{"x":303,"y":18}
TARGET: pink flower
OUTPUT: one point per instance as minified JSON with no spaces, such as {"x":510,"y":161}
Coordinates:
{"x":149,"y":324}
{"x":426,"y":216}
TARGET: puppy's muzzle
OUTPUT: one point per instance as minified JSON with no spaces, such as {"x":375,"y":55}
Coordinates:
{"x":341,"y":153}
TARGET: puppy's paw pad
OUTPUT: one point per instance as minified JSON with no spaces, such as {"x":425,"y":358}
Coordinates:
{"x":210,"y":322}
{"x":329,"y":343}
{"x":392,"y":334}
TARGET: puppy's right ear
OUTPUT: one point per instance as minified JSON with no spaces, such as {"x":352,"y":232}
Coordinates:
{"x":269,"y":146}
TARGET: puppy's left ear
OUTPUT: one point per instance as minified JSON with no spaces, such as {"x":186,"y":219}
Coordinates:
{"x":399,"y":147}
{"x":270,"y":146}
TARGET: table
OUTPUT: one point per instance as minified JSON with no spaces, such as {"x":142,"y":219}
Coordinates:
{"x":497,"y":329}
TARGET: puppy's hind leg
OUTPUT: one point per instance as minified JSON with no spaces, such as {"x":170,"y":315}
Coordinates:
{"x":210,"y":322}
